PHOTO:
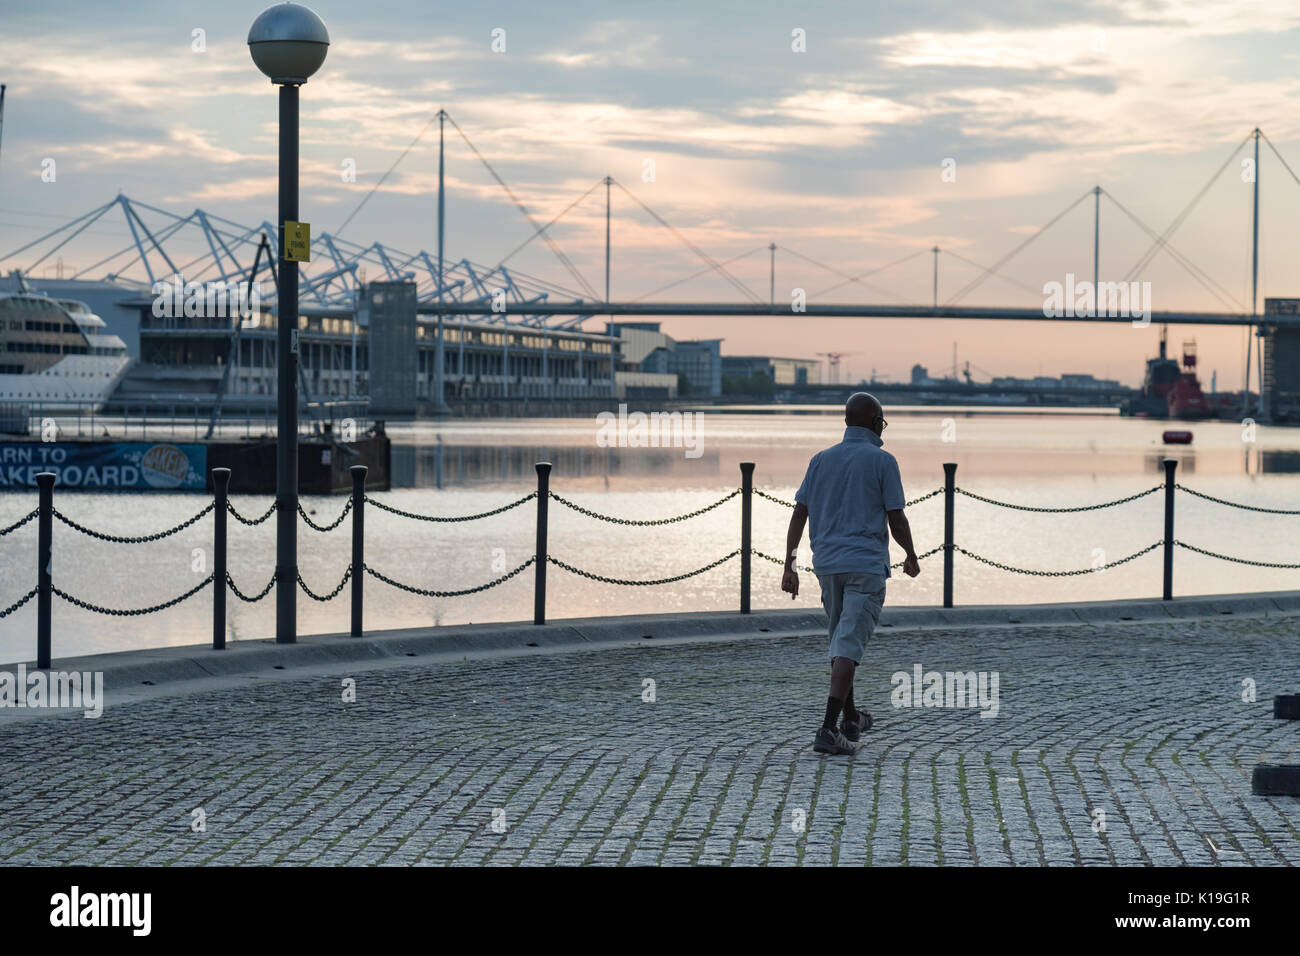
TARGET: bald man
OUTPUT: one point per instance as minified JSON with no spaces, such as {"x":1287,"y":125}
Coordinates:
{"x":850,"y":495}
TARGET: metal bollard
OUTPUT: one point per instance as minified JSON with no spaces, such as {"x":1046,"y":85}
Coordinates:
{"x":949,"y":496}
{"x":44,"y":570}
{"x":358,"y":544}
{"x":1170,"y":464}
{"x":746,"y":501}
{"x":539,"y":582}
{"x":220,"y":508}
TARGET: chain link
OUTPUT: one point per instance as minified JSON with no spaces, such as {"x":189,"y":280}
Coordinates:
{"x":642,"y":523}
{"x":1104,"y":504}
{"x":19,"y":603}
{"x":1056,"y":574}
{"x":1224,"y":557}
{"x":486,"y":514}
{"x":142,"y":539}
{"x":429,"y":593}
{"x":780,"y":501}
{"x":86,"y":605}
{"x":243,"y":597}
{"x":1234,"y":504}
{"x":251,"y":521}
{"x":320,"y":527}
{"x":18,"y":524}
{"x":328,"y":597}
{"x":791,"y":504}
{"x":677,"y":577}
{"x":929,"y":494}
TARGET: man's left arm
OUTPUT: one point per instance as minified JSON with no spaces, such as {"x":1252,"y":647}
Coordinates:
{"x":790,"y":578}
{"x":894,"y":500}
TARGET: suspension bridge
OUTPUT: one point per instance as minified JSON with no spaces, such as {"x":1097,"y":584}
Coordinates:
{"x":500,"y":293}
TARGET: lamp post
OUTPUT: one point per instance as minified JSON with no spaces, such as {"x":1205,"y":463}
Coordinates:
{"x":288,"y":43}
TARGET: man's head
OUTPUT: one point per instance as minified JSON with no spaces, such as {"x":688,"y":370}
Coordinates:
{"x":862,"y":409}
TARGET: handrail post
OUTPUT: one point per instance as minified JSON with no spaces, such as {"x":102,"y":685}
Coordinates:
{"x":44,"y":570}
{"x":746,"y":501}
{"x":539,"y":581}
{"x":358,"y":544}
{"x":1170,"y":464}
{"x":221,"y":494}
{"x":949,"y":500}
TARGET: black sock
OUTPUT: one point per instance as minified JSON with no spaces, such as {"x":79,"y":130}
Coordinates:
{"x":849,"y":709}
{"x":833,"y":707}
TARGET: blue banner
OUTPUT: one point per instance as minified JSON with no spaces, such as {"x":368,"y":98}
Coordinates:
{"x":105,"y":466}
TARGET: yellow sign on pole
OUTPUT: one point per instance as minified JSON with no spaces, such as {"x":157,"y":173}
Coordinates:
{"x":297,"y":242}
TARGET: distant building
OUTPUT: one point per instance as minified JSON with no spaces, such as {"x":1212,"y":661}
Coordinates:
{"x":787,"y":372}
{"x":1281,"y":359}
{"x":648,"y":350}
{"x":700,"y":361}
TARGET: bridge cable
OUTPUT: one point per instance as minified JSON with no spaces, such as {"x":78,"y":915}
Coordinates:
{"x":1173,"y":226}
{"x":869,"y":272}
{"x":559,"y":254}
{"x":1284,"y":163}
{"x":373,"y":189}
{"x":696,"y":275}
{"x":970,"y":286}
{"x":542,"y":229}
{"x":690,"y":245}
{"x":1194,"y":270}
{"x":840,"y":272}
{"x":972,"y":262}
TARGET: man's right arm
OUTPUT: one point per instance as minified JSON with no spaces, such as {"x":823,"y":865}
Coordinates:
{"x":902,"y":532}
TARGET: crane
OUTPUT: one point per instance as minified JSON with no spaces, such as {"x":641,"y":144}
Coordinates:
{"x":833,"y":363}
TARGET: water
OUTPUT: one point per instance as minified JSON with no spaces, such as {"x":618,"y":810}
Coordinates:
{"x":1048,"y":459}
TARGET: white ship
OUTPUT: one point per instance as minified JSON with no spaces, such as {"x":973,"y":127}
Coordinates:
{"x":56,"y":353}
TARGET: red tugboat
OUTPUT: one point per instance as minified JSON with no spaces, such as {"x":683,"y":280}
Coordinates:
{"x":1186,"y":400}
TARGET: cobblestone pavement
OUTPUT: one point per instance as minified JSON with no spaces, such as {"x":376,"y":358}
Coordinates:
{"x":557,"y":759}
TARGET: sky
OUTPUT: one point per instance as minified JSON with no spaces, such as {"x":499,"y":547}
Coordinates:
{"x":826,"y":128}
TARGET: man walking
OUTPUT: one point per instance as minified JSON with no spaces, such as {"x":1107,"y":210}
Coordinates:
{"x":850,"y":494}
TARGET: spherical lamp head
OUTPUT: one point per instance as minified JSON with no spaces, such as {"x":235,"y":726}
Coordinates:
{"x":288,"y":43}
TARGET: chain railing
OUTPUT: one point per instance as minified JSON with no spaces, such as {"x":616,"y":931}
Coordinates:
{"x":1097,"y":507}
{"x":250,"y":522}
{"x":244,"y":597}
{"x":325,"y":527}
{"x":426,"y":592}
{"x":19,"y":523}
{"x":450,"y":519}
{"x":672,"y":580}
{"x":141,"y":539}
{"x":1056,"y":574}
{"x":358,"y":568}
{"x":1234,"y":504}
{"x":644,"y":522}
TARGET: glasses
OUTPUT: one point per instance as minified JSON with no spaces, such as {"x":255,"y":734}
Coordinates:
{"x":883,"y":424}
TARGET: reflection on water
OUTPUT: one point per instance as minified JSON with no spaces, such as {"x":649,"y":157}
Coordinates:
{"x":442,"y":465}
{"x":1277,"y":462}
{"x":460,"y":453}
